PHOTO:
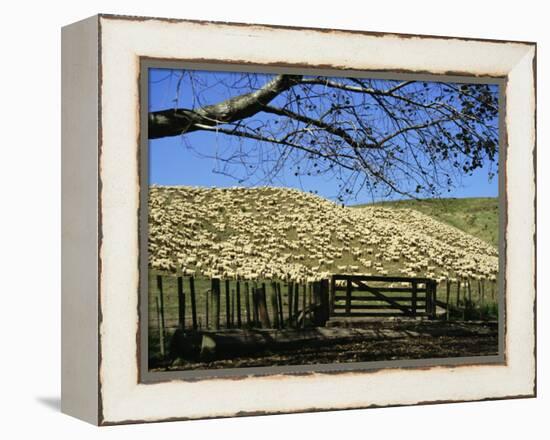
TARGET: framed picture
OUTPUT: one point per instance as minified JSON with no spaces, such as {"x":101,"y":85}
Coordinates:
{"x":320,"y":214}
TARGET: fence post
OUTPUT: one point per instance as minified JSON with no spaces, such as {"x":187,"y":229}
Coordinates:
{"x":447,"y":297}
{"x":247,"y":302}
{"x":296,"y":300}
{"x":280,"y":305}
{"x":325,"y":301}
{"x":332,"y":295}
{"x":290,"y":301}
{"x":262,"y":308}
{"x":320,"y":291}
{"x":216,"y":303}
{"x":181,"y":304}
{"x":414,"y":297}
{"x":193,"y":302}
{"x":274,"y":305}
{"x":429,"y":296}
{"x":161,"y":298}
{"x":232,"y":320}
{"x":315,"y":303}
{"x":227,"y":305}
{"x":239,"y":321}
{"x":207,"y":308}
{"x":304,"y":295}
{"x":348,"y":296}
{"x":433,"y":301}
{"x":255,"y":312}
{"x":160,"y":327}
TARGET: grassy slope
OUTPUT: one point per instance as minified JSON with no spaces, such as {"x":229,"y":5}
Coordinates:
{"x":476,"y":216}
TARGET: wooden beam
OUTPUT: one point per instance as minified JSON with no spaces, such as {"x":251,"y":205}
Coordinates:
{"x":227,"y":305}
{"x":216,"y":303}
{"x":389,"y":300}
{"x":193,"y":302}
{"x":181,"y":304}
{"x":362,"y":278}
{"x":383,"y":289}
{"x":348,"y":296}
{"x":262,"y":307}
{"x":274,"y":304}
{"x":239,"y":320}
{"x":370,"y":298}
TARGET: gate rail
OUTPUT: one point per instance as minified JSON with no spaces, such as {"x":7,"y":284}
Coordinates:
{"x":371,"y":296}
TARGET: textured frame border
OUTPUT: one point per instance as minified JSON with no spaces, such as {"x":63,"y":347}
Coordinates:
{"x":122,"y":41}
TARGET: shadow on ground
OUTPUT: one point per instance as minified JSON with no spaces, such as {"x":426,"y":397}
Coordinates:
{"x":52,"y":403}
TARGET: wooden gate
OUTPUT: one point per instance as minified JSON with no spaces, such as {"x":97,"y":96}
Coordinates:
{"x":355,"y":295}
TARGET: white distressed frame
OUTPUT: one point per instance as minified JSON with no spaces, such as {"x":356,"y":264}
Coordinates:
{"x":122,"y":41}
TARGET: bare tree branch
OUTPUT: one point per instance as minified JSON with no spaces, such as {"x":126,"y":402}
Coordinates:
{"x":403,"y":137}
{"x":179,"y":121}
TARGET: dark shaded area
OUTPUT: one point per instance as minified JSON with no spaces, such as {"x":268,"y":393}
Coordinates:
{"x":369,"y":341}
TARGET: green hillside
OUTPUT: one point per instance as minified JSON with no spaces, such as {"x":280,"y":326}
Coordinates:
{"x":476,"y":216}
{"x":277,"y":233}
{"x":265,"y":234}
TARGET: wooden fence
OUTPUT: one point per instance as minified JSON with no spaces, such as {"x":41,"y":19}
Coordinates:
{"x":469,"y":299}
{"x":194,"y":304}
{"x":188,"y":303}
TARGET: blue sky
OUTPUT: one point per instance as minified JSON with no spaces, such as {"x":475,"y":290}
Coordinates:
{"x":179,"y":160}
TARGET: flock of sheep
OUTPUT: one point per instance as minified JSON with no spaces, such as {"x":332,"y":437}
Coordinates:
{"x":285,"y":234}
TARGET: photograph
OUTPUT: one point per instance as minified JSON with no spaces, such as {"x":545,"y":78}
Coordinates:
{"x":319,"y":219}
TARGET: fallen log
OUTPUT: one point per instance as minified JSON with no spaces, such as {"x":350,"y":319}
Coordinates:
{"x":226,"y":344}
{"x":232,"y":343}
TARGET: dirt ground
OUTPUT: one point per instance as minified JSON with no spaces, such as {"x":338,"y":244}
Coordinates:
{"x":416,"y":341}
